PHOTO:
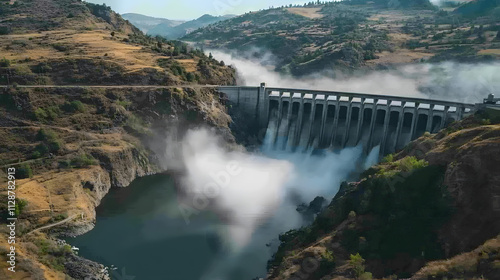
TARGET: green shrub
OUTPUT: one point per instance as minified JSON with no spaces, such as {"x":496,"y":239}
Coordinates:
{"x":42,"y":149}
{"x":438,"y":36}
{"x":23,"y":70}
{"x":20,"y":205}
{"x":357,"y":264}
{"x":24,"y":171}
{"x":46,"y":135}
{"x":53,"y":112}
{"x":190,"y":77}
{"x":54,"y":146}
{"x":78,"y":106}
{"x":83,"y":160}
{"x":66,"y":249}
{"x":43,"y":246}
{"x":43,"y":68}
{"x":51,"y":142}
{"x":485,"y":122}
{"x":74,"y":106}
{"x":65,"y":164}
{"x":50,"y":113}
{"x":59,"y":217}
{"x":405,"y":164}
{"x":4,"y":62}
{"x":410,"y":163}
{"x":36,"y":154}
{"x":326,"y":265}
{"x":43,"y":80}
{"x":388,"y":158}
{"x":52,"y":254}
{"x":4,"y":30}
{"x":41,"y":114}
{"x":366,"y":276}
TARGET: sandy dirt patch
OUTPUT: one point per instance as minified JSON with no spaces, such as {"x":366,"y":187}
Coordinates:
{"x":311,"y":13}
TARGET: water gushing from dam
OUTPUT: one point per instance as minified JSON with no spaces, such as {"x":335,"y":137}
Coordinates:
{"x":305,"y":118}
{"x":314,"y":173}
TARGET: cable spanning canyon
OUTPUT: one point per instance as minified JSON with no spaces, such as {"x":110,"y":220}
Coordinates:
{"x":304,"y":119}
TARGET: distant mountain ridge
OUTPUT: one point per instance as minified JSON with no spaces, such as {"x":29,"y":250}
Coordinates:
{"x":145,"y":23}
{"x":171,"y":29}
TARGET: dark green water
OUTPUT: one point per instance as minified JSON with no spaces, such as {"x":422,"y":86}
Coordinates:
{"x":140,"y":228}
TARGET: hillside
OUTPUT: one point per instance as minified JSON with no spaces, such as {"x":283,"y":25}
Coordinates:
{"x":175,"y":32}
{"x":145,"y":23}
{"x":430,"y":211}
{"x":351,"y":35}
{"x":78,"y":37}
{"x":70,"y":145}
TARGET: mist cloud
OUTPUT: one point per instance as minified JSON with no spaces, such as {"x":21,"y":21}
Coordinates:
{"x":241,"y":187}
{"x":448,"y":81}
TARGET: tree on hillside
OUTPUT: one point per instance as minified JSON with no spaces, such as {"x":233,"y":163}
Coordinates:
{"x":176,"y":51}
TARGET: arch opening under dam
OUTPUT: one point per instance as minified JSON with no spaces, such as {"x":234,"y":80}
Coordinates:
{"x":334,"y":120}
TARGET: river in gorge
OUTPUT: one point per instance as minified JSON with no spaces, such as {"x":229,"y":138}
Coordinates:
{"x":143,"y":230}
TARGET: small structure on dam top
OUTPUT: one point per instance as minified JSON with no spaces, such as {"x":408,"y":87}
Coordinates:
{"x":491,"y":100}
{"x":329,"y":119}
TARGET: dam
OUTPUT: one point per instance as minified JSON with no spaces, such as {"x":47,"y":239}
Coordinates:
{"x":303,"y":118}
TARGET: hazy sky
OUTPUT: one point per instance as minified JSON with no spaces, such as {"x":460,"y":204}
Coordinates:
{"x":190,"y":9}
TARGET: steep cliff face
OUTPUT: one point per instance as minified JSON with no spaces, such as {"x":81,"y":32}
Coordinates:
{"x":79,"y":143}
{"x":435,"y":199}
{"x":473,"y":180}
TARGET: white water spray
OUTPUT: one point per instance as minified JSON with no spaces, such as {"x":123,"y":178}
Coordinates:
{"x":256,"y":196}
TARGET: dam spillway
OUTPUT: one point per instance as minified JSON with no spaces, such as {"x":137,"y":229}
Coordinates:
{"x":302,"y":118}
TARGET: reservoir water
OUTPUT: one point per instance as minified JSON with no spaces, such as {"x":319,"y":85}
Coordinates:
{"x":141,"y":229}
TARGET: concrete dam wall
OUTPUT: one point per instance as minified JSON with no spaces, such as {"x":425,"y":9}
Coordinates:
{"x":327,"y":119}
